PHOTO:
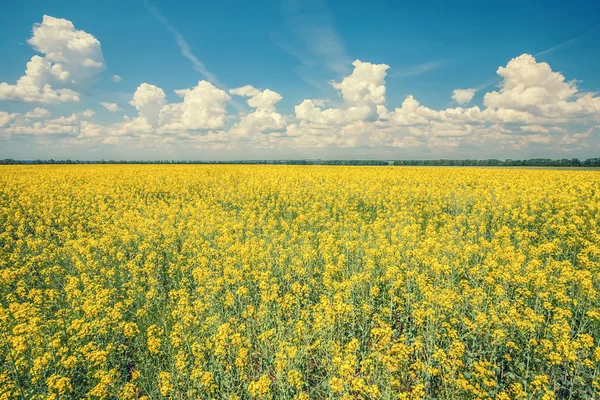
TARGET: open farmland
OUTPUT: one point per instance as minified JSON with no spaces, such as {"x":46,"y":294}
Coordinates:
{"x":283,"y":282}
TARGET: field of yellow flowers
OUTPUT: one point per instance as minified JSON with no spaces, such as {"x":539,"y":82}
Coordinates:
{"x":282,"y":282}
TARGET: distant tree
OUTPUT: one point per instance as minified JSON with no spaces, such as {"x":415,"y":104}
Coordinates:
{"x":533,"y":162}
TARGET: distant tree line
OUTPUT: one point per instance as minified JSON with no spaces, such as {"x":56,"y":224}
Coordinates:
{"x":351,"y":162}
{"x":532,"y":162}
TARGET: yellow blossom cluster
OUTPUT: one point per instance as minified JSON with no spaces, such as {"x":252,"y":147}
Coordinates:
{"x":298,"y":282}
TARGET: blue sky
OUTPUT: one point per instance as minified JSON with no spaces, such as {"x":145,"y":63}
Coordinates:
{"x":290,"y":52}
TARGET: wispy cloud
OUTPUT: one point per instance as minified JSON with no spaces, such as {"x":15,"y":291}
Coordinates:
{"x":186,"y":51}
{"x":488,"y":83}
{"x":567,"y":42}
{"x":311,"y":39}
{"x":183,"y":45}
{"x":418,"y":69}
{"x":327,"y":45}
{"x":559,"y":46}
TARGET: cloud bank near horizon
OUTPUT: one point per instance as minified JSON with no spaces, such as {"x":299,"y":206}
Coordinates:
{"x":532,"y":105}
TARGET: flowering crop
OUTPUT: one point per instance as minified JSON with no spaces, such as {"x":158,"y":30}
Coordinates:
{"x":298,"y":282}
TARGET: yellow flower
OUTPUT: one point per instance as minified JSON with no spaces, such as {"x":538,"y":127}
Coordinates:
{"x":260,"y":387}
{"x":295,"y":379}
{"x":130,"y":329}
{"x":380,"y":282}
{"x":336,"y":384}
{"x":166,"y":384}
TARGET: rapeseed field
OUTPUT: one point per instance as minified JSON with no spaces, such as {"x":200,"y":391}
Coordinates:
{"x":283,"y":282}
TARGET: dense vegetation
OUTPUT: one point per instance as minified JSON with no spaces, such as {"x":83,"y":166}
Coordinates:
{"x":235,"y":281}
{"x":533,"y":162}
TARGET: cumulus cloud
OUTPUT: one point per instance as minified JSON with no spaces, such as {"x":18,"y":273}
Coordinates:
{"x":462,"y":96}
{"x":203,"y":107}
{"x":245,"y":91}
{"x":534,"y":128}
{"x":112,"y":107}
{"x":132,"y":127}
{"x":88,"y":113}
{"x":531,"y":102}
{"x":265,"y":99}
{"x":311,"y":111}
{"x":58,"y":126}
{"x":264,"y":119}
{"x":363,"y":90}
{"x":366,"y":84}
{"x":6,"y":118}
{"x":532,"y":106}
{"x":260,"y":121}
{"x":411,"y":113}
{"x":71,"y":120}
{"x":148,"y":100}
{"x":88,"y":129}
{"x":38,"y":112}
{"x":528,"y":84}
{"x":71,"y":58}
{"x":115,"y":78}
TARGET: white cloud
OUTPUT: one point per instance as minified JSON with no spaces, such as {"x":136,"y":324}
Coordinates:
{"x":170,"y":119}
{"x":38,"y":112}
{"x":366,"y":84}
{"x":203,"y":107}
{"x":534,"y":106}
{"x":258,"y":99}
{"x":531,"y":102}
{"x":260,"y":121}
{"x":71,"y":120}
{"x":264,"y":119}
{"x":362,"y":90}
{"x":462,"y":96}
{"x":58,"y":126}
{"x":6,"y":118}
{"x":112,"y":107}
{"x":88,"y":113}
{"x":310,"y":111}
{"x":411,"y":113}
{"x":132,"y":126}
{"x":528,"y":84}
{"x":245,"y":91}
{"x":148,"y":100}
{"x":265,"y":100}
{"x":115,"y":78}
{"x":71,"y":58}
{"x":90,"y":130}
{"x":534,"y":128}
